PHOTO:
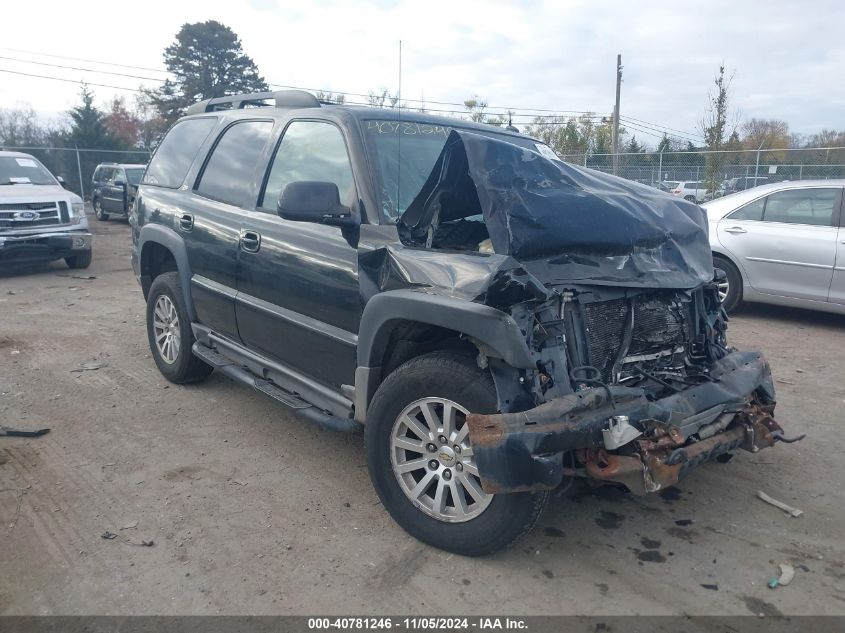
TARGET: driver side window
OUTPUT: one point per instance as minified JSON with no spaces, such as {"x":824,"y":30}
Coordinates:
{"x":310,"y":150}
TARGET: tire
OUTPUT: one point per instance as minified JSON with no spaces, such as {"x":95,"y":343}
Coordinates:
{"x":175,"y":360}
{"x":501,"y":519}
{"x":733,"y":296}
{"x":101,"y":215}
{"x":690,"y":198}
{"x":83,"y":260}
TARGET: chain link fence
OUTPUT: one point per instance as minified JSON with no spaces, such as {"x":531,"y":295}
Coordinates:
{"x":717,"y":169}
{"x":76,"y":165}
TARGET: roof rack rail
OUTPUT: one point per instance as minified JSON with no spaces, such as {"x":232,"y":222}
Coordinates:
{"x":282,"y":99}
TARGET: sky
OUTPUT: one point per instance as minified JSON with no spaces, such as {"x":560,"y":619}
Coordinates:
{"x":786,"y":58}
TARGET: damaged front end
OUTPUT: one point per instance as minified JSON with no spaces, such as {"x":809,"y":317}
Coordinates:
{"x":630,"y":378}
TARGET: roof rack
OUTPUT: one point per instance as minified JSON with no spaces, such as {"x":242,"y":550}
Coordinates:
{"x":282,"y":99}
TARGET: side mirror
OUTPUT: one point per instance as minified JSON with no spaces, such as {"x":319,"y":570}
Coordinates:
{"x":314,"y":201}
{"x":61,"y":181}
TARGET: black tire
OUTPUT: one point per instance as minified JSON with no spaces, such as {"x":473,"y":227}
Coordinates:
{"x":101,"y":215}
{"x":690,"y":198}
{"x":734,"y":279}
{"x":82,"y":260}
{"x":456,"y":377}
{"x":185,"y":367}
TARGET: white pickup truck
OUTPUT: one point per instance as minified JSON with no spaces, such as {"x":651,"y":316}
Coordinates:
{"x":39,"y":220}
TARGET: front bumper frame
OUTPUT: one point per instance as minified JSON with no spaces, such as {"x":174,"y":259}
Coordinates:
{"x":525,"y":451}
{"x":43,"y":247}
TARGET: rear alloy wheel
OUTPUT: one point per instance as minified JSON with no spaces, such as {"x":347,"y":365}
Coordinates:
{"x":101,"y":215}
{"x":422,"y":462}
{"x":169,"y":332}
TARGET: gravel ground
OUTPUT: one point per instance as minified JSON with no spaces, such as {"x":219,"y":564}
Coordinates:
{"x":251,"y":511}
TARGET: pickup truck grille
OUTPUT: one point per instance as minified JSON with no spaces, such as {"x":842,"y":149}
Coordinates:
{"x":657,"y":340}
{"x":28,"y":215}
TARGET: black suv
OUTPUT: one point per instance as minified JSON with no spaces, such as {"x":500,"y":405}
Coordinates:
{"x":499,"y":322}
{"x":113,"y":188}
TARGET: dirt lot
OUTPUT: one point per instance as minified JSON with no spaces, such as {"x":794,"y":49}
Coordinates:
{"x":252,"y":511}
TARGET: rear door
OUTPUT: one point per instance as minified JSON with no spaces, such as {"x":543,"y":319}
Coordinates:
{"x":211,"y":223}
{"x":298,"y":297}
{"x":786,"y":241}
{"x":837,"y":286}
{"x":114,"y":192}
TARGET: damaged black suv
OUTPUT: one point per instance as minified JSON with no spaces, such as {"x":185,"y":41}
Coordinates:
{"x":497,"y":321}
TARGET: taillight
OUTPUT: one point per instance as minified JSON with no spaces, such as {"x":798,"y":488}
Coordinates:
{"x":677,"y":191}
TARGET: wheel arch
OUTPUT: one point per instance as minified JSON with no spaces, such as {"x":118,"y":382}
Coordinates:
{"x":162,"y":250}
{"x":397,"y":320}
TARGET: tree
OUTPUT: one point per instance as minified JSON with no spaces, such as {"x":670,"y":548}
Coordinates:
{"x":123,"y":126}
{"x":207,"y":61}
{"x":633,"y":147}
{"x":767,"y":134}
{"x":329,"y":97}
{"x":383,"y":99}
{"x":151,"y":125}
{"x":88,"y":124}
{"x":19,"y":127}
{"x":716,"y":129}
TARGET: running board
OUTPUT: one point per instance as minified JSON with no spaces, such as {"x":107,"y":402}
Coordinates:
{"x":290,"y":400}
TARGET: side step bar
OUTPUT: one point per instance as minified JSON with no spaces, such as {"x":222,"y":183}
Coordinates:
{"x":292,"y":401}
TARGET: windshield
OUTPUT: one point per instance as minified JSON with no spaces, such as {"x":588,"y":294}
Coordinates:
{"x":134,"y":176}
{"x":24,"y":170}
{"x":406,"y":151}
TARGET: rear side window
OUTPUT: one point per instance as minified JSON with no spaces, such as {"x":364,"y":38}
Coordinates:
{"x":801,"y":206}
{"x":174,"y":156}
{"x":229,"y":172}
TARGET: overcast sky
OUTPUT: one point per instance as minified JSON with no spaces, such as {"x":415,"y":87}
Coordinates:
{"x":787,"y":57}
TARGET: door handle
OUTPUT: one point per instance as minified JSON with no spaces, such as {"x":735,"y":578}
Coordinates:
{"x":186,"y":222}
{"x":735,"y":229}
{"x":250,"y":241}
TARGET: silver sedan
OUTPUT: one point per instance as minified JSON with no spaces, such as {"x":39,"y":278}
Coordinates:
{"x":782,"y":243}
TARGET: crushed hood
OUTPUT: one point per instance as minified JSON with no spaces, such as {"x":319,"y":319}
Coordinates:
{"x":561,"y":222}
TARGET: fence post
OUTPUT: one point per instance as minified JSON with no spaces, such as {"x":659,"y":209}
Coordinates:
{"x":660,"y":169}
{"x":79,"y":169}
{"x":757,"y":166}
{"x":585,"y":159}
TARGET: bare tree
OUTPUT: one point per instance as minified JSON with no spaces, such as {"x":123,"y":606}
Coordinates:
{"x":717,"y":129}
{"x":20,"y":127}
{"x":383,"y":99}
{"x":327,"y":96}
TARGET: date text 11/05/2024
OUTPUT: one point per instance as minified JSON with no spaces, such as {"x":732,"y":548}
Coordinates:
{"x":416,"y":624}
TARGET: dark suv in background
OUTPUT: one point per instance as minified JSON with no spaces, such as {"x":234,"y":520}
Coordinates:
{"x":499,"y":322}
{"x":113,"y":188}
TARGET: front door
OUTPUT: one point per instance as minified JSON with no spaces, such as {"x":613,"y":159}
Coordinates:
{"x":837,"y":286}
{"x":298,"y":297}
{"x":786,"y":241}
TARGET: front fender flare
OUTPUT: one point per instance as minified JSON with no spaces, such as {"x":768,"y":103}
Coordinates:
{"x":498,"y":331}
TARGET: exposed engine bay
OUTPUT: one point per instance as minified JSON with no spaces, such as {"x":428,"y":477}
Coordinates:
{"x":629,"y":377}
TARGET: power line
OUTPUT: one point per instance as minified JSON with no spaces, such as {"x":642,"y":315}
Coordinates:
{"x":661,"y":132}
{"x":666,"y":127}
{"x":81,"y":59}
{"x":91,"y":70}
{"x":73,"y":81}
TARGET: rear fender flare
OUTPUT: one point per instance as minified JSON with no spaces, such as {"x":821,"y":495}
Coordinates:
{"x":169,"y":239}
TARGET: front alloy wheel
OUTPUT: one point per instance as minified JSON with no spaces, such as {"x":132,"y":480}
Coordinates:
{"x":433,"y":461}
{"x":422,"y":462}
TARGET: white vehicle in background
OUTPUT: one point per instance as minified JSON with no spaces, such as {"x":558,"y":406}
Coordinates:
{"x":781,"y":243}
{"x":692,"y":190}
{"x":40,"y":221}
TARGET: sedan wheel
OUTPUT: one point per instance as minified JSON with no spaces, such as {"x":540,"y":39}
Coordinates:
{"x":433,"y":461}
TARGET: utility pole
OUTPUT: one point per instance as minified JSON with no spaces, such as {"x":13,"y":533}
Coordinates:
{"x":615,"y":140}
